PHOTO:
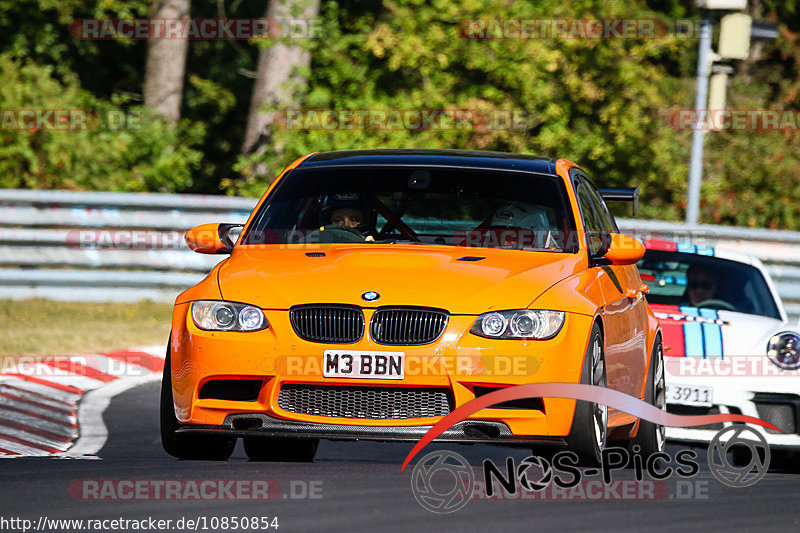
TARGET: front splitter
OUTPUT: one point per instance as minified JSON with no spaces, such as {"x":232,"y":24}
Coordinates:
{"x":262,"y":425}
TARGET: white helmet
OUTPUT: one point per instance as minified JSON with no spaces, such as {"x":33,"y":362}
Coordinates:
{"x":520,"y":215}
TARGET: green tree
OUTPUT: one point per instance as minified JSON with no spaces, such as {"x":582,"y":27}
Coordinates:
{"x":120,"y":148}
{"x":597,"y":102}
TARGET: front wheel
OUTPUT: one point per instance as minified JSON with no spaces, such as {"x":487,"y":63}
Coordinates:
{"x":199,"y":447}
{"x":587,"y":437}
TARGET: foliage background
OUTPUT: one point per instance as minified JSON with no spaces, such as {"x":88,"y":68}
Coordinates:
{"x":601,"y":103}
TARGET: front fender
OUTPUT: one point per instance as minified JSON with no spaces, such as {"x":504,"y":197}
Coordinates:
{"x":579,"y":294}
{"x":208,"y":289}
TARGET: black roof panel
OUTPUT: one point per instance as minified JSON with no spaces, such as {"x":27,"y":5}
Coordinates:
{"x":438,"y":158}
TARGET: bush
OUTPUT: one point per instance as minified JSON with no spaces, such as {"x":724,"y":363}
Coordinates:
{"x":117,"y":147}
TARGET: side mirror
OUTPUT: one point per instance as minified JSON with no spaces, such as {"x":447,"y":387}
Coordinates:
{"x":211,"y":238}
{"x":621,"y":250}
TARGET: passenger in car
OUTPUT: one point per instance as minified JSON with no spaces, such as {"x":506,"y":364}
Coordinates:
{"x":528,"y":223}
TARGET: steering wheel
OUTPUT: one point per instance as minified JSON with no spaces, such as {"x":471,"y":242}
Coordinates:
{"x":334,"y":233}
{"x":716,"y":304}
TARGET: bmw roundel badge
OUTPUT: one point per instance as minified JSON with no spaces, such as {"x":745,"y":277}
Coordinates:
{"x":370,"y":296}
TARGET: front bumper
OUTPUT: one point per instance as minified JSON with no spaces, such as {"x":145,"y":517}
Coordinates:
{"x":458,"y":362}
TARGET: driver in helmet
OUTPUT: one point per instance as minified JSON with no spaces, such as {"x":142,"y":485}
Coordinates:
{"x":350,"y":211}
{"x":351,"y":217}
{"x":527,"y":226}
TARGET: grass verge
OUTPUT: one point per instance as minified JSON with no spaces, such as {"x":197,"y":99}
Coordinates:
{"x":42,"y":327}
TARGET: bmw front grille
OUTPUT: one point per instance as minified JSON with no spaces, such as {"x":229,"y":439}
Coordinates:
{"x":407,"y":325}
{"x":328,"y":323}
{"x":398,"y":326}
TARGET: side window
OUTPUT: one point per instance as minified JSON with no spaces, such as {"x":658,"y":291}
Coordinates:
{"x":591,"y":220}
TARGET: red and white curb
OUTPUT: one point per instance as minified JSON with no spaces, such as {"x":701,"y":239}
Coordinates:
{"x":54,"y":407}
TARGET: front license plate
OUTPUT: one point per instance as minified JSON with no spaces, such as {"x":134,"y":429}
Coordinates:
{"x":689,"y":395}
{"x":369,"y":365}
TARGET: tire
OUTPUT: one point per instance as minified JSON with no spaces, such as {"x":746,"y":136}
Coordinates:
{"x":276,"y":449}
{"x":589,"y":431}
{"x":650,"y":437}
{"x":184,"y":446}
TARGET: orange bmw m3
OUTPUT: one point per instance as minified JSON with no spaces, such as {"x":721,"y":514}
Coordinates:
{"x":372,"y":292}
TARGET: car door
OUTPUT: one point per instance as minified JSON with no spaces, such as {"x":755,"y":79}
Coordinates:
{"x":624,"y":313}
{"x":638,"y":314}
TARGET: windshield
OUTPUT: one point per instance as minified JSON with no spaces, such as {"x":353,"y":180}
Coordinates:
{"x":441,"y":206}
{"x":709,"y":282}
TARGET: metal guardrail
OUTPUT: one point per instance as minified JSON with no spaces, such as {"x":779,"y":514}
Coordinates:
{"x":68,"y":209}
{"x":103,"y":246}
{"x":128,"y":200}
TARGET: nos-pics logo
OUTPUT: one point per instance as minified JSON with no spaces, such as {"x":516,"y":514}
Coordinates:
{"x":444,"y":481}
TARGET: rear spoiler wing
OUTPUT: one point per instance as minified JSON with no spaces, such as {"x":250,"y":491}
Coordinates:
{"x":622,"y":194}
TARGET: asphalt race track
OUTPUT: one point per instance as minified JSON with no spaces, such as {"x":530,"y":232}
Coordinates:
{"x":358,"y":486}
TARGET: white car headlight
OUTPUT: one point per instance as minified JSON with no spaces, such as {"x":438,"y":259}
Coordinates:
{"x":783,"y":349}
{"x":215,"y":315}
{"x":519,"y":324}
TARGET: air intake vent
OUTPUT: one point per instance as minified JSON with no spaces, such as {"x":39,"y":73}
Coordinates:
{"x":407,"y":325}
{"x":241,"y":390}
{"x":535,"y":404}
{"x":328,"y":323}
{"x":365,"y":402}
{"x":780,"y":410}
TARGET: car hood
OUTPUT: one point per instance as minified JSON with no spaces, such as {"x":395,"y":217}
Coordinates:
{"x":735,"y":333}
{"x":420,"y":275}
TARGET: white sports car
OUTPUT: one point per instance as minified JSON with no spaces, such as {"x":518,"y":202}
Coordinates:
{"x":728,"y":345}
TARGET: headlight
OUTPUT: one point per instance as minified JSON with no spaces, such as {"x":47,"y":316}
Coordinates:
{"x":227,"y":316}
{"x":519,"y":324}
{"x":782,"y":349}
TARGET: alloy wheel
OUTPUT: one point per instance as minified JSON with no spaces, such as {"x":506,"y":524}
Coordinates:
{"x":598,"y":378}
